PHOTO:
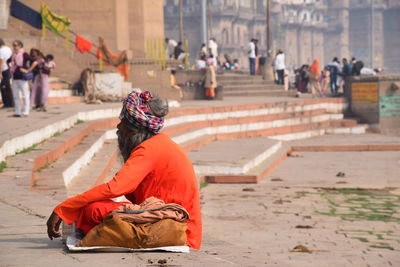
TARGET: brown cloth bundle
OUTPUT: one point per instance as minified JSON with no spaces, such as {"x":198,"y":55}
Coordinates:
{"x":150,"y":224}
{"x":151,"y":210}
{"x":117,"y":233}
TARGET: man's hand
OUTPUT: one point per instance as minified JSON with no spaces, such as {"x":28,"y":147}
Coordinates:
{"x":53,"y":226}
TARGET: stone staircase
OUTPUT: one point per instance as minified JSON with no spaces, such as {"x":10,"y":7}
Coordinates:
{"x":227,"y":144}
{"x":240,"y":84}
{"x":61,"y":92}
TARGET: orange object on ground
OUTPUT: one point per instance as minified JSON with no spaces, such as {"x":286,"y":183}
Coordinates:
{"x":210,"y":92}
{"x":157,"y":167}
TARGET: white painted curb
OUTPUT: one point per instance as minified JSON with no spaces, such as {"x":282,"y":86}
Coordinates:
{"x":329,"y":107}
{"x":254,"y":126}
{"x":11,"y":146}
{"x":73,"y":170}
{"x":238,"y":170}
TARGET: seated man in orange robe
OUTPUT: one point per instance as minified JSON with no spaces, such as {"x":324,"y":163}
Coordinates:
{"x":154,"y":166}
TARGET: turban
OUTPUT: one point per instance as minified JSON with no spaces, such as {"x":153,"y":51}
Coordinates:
{"x":136,"y":111}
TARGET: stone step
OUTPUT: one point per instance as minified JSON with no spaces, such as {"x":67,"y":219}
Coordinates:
{"x":245,"y":118}
{"x":185,"y":115}
{"x":239,"y":77}
{"x":241,"y":87}
{"x":60,"y":93}
{"x":283,"y":133}
{"x":262,"y":92}
{"x":258,"y":172}
{"x":227,"y":82}
{"x":65,"y":100}
{"x":98,"y":171}
{"x":57,"y":176}
{"x":257,"y":124}
{"x":233,"y":157}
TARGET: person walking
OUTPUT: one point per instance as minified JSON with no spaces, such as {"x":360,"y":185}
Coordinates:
{"x":315,"y":75}
{"x":5,"y":75}
{"x":251,"y":51}
{"x":280,"y":66}
{"x":20,"y":60}
{"x":334,"y":68}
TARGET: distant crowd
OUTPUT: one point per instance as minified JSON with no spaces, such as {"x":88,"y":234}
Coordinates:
{"x":319,"y":81}
{"x":330,"y":79}
{"x":24,"y":74}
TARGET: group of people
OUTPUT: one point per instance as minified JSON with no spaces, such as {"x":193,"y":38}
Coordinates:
{"x":329,"y":79}
{"x":20,"y":69}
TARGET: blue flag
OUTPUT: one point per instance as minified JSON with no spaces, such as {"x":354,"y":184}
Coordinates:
{"x":25,"y":13}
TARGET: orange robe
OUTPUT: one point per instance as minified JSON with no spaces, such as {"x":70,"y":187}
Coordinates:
{"x":157,"y":167}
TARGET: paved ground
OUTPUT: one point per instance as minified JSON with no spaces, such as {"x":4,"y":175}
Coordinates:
{"x":244,"y":225}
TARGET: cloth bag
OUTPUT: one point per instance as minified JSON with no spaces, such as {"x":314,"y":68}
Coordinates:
{"x":27,"y":76}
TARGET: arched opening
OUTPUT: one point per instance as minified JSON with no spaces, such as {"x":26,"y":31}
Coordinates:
{"x":225,"y":36}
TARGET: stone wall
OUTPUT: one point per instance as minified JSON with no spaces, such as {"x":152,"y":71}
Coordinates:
{"x":124,"y":25}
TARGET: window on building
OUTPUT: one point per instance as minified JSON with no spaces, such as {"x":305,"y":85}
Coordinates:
{"x":225,"y":36}
{"x":238,"y":40}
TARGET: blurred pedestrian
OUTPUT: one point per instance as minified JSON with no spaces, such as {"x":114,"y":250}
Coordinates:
{"x":303,"y":78}
{"x":210,"y":79}
{"x":280,"y":66}
{"x":5,"y":75}
{"x":170,"y":47}
{"x":203,"y":51}
{"x":20,"y":60}
{"x":178,"y":51}
{"x":325,"y":81}
{"x":213,"y":50}
{"x":201,"y":63}
{"x":334,"y":69}
{"x":315,"y":74}
{"x":251,"y":52}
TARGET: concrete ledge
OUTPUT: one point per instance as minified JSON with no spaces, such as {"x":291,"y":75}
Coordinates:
{"x":11,"y":146}
{"x":73,"y":170}
{"x":335,"y":105}
{"x":241,"y":169}
{"x":387,"y":147}
{"x":65,"y":99}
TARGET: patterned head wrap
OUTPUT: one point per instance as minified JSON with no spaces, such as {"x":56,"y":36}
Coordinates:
{"x":136,"y":111}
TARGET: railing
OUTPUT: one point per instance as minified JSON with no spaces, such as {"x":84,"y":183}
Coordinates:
{"x":156,"y":52}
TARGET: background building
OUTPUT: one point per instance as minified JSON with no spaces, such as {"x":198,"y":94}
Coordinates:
{"x":305,"y":29}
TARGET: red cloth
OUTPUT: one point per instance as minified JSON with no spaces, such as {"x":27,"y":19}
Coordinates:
{"x":93,"y":214}
{"x":157,"y":167}
{"x":83,"y":45}
{"x":315,"y":68}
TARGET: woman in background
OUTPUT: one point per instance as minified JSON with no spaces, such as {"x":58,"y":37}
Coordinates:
{"x":315,"y":74}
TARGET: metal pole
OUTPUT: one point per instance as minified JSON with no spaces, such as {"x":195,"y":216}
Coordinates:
{"x":181,"y":20}
{"x":372,"y":35}
{"x":269,"y":76}
{"x":204,"y":21}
